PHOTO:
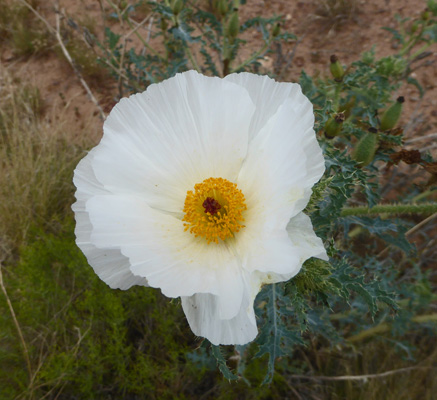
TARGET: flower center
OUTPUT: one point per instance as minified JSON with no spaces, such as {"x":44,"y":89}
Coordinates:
{"x":214,"y":209}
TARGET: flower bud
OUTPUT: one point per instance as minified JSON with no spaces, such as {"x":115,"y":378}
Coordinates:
{"x":177,"y":6}
{"x":276,"y":30}
{"x":233,"y":27}
{"x":414,"y":26}
{"x":222,"y":7}
{"x":391,"y":116}
{"x":163,"y":24}
{"x":365,"y":149}
{"x":426,"y":14}
{"x":333,"y":125}
{"x":336,"y":68}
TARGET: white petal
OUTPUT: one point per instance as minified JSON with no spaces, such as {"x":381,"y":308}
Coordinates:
{"x":267,"y":95}
{"x":301,"y":233}
{"x":110,"y":265}
{"x":203,"y":315}
{"x":283,"y":163}
{"x":160,"y":250}
{"x":160,"y":143}
{"x":268,"y":252}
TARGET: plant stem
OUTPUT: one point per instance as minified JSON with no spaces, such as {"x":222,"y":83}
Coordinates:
{"x":145,"y":44}
{"x":422,"y":195}
{"x":192,"y":59}
{"x":385,"y":327}
{"x":422,"y":208}
{"x":254,"y":56}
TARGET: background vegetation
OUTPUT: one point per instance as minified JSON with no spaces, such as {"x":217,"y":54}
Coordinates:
{"x":359,"y":327}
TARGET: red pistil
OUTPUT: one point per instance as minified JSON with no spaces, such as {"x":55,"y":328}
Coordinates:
{"x":211,"y":205}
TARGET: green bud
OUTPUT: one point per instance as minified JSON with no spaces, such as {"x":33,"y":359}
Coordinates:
{"x":333,"y":125}
{"x":426,"y":14}
{"x":414,"y":26}
{"x":336,"y":68}
{"x":233,"y":27}
{"x":222,"y":7}
{"x":391,"y":116}
{"x":365,"y":149}
{"x":177,"y":6}
{"x":276,"y":30}
{"x":163,"y":24}
{"x":432,"y":7}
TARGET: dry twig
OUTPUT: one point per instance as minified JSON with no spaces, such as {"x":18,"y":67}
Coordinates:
{"x":357,"y":377}
{"x":70,"y":60}
{"x":67,"y":55}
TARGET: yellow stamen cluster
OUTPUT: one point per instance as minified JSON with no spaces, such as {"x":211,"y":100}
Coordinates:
{"x":214,"y":210}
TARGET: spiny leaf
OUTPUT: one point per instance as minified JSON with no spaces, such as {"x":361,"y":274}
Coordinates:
{"x":221,"y":363}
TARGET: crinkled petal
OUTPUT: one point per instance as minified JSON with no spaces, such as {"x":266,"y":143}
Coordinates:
{"x":203,"y":314}
{"x":160,"y":250}
{"x":272,"y":252}
{"x":283,"y":163}
{"x":109,"y":264}
{"x":268,"y":95}
{"x":160,"y":143}
{"x":307,"y":243}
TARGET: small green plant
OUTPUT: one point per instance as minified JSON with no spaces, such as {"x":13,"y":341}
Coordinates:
{"x":187,"y":36}
{"x":19,"y":28}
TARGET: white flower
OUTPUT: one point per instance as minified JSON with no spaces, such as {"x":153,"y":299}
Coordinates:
{"x":197,"y":188}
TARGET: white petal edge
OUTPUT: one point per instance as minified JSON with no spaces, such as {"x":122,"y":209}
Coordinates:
{"x":301,"y":233}
{"x":109,"y":264}
{"x":284,"y":161}
{"x":203,"y":316}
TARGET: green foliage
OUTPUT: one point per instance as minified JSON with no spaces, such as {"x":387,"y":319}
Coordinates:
{"x":91,"y":339}
{"x":208,"y":40}
{"x":275,"y":338}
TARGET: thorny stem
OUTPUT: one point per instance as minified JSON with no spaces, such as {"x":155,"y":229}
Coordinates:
{"x":395,"y":209}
